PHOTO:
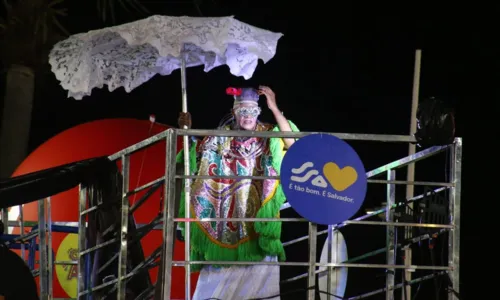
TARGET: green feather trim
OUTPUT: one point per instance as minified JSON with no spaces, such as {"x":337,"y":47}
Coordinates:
{"x":270,"y":232}
{"x":193,"y":166}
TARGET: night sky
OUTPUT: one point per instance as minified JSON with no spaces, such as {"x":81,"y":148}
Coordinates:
{"x":338,"y":68}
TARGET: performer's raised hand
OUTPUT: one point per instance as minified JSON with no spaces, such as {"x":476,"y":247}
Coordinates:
{"x":278,"y":115}
{"x":270,"y":97}
{"x":184,"y":120}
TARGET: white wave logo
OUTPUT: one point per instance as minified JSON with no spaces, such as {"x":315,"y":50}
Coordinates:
{"x":318,"y":180}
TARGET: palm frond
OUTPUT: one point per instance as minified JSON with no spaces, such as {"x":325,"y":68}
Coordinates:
{"x":54,"y":3}
{"x":112,"y":11}
{"x":29,"y":29}
{"x":60,"y":27}
{"x":63,"y":12}
{"x":108,"y":8}
{"x":136,"y":5}
{"x":3,"y":24}
{"x":7,"y":5}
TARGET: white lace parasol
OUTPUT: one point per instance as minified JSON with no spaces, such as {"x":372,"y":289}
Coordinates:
{"x":130,"y":54}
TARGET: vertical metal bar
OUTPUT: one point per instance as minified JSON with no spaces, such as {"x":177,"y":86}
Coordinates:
{"x":187,"y":187}
{"x":411,"y":167}
{"x":169,"y":213}
{"x":390,"y":254}
{"x":332,"y":277}
{"x":50,"y":265}
{"x":82,"y":228}
{"x":5,"y":220}
{"x":330,"y":269}
{"x":311,"y":278}
{"x":122,"y":257}
{"x":21,"y":224}
{"x":454,"y":235}
{"x":42,"y":252}
{"x":184,"y":84}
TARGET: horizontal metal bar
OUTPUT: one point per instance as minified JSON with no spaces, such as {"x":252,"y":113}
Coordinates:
{"x":423,"y":237}
{"x":99,"y":287}
{"x":235,"y":177}
{"x":67,"y":224}
{"x":159,"y":227}
{"x":23,"y":238}
{"x":35,"y":223}
{"x":304,"y":275}
{"x":264,"y":134}
{"x":401,"y":224}
{"x":147,"y":185}
{"x":405,"y":244}
{"x":128,"y":194}
{"x":138,"y":146}
{"x":407,"y":160}
{"x":324,"y":273}
{"x":104,"y":244}
{"x":426,"y":183}
{"x":295,"y":241}
{"x":364,"y":217}
{"x":114,"y":281}
{"x":226,"y":177}
{"x":397,"y":286}
{"x":144,"y":265}
{"x":66,"y":262}
{"x":240,"y":220}
{"x":107,"y":243}
{"x":89,"y":210}
{"x":383,"y":223}
{"x":61,"y":224}
{"x":289,"y":134}
{"x":298,"y":264}
{"x":62,"y":262}
{"x":384,"y":209}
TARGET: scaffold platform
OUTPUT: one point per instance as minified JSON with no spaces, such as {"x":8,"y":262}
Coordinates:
{"x":122,"y":233}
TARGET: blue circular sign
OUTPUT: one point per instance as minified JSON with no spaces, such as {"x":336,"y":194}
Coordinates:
{"x":323,"y":179}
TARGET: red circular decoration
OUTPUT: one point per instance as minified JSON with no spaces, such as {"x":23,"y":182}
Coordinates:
{"x":95,"y":139}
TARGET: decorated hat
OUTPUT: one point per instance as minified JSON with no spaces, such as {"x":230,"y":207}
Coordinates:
{"x":243,"y":95}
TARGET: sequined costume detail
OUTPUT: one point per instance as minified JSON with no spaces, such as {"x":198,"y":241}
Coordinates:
{"x":236,"y":198}
{"x":232,"y":198}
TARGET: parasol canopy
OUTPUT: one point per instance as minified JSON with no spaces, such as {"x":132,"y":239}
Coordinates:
{"x":130,"y":54}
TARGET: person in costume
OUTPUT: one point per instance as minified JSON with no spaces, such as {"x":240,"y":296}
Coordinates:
{"x":238,"y":198}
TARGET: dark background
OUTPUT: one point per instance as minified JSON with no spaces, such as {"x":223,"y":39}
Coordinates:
{"x":339,"y":68}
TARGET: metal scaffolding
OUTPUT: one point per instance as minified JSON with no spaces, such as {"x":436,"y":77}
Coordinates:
{"x":169,"y":220}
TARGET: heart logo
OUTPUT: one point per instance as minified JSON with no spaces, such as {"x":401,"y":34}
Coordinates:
{"x":340,"y":179}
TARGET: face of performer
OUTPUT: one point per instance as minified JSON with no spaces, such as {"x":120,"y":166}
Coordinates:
{"x":246,"y":115}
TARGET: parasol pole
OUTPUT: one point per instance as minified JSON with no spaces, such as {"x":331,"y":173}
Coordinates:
{"x":187,"y":186}
{"x":411,"y":167}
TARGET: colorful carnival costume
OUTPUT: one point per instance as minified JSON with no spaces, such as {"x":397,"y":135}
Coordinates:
{"x":236,"y":198}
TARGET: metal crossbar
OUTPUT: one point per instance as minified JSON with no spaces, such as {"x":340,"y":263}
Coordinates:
{"x":167,"y":225}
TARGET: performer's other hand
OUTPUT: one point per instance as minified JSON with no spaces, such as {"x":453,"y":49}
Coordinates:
{"x":184,"y":120}
{"x":270,"y":97}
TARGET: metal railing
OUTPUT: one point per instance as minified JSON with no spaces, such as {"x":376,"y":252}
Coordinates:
{"x":454,"y":227}
{"x":41,"y":230}
{"x":168,"y":219}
